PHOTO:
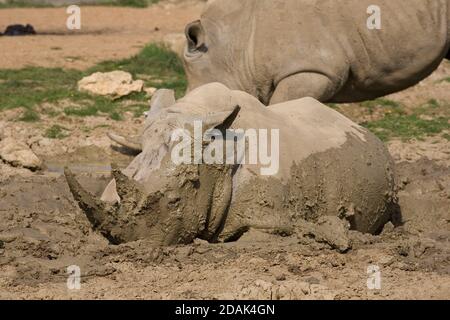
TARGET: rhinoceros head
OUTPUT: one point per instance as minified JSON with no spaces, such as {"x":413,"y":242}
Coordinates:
{"x":219,"y":46}
{"x":198,"y":64}
{"x":161,"y":200}
{"x":207,"y":58}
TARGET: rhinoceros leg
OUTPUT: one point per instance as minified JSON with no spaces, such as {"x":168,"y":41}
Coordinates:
{"x":302,"y":85}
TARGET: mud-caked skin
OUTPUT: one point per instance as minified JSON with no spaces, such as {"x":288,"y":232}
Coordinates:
{"x":328,"y":166}
{"x":281,"y":50}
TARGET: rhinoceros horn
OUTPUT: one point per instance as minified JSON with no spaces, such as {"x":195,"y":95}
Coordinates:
{"x":130,"y":143}
{"x":128,"y":190}
{"x":94,"y":209}
{"x":105,"y":217}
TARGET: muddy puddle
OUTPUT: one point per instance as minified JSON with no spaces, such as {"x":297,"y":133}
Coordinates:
{"x":89,"y":160}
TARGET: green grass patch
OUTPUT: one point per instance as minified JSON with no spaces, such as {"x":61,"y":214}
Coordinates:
{"x":29,"y":116}
{"x":30,"y":87}
{"x":432,"y":118}
{"x":407,"y":127}
{"x":333,"y":106}
{"x":23,"y":4}
{"x":433,"y":103}
{"x":129,"y":3}
{"x":381,"y":102}
{"x":386,"y":104}
{"x":116,"y":3}
{"x":138,"y":109}
{"x":56,"y":132}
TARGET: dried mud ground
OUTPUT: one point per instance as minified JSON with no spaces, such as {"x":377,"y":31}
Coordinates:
{"x":42,"y":230}
{"x":106,"y":33}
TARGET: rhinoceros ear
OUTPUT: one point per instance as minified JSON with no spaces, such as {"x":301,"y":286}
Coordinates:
{"x":161,"y":99}
{"x":220,"y":119}
{"x":195,"y":35}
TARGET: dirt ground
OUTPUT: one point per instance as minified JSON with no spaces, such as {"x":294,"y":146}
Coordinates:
{"x":107,"y":33}
{"x":42,"y":230}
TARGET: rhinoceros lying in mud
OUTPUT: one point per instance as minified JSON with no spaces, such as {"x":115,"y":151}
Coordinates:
{"x":281,"y":50}
{"x":328,"y":166}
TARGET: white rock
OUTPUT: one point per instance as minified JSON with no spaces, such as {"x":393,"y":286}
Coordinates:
{"x":45,"y":142}
{"x":115,"y":83}
{"x":18,"y":154}
{"x":150,"y":91}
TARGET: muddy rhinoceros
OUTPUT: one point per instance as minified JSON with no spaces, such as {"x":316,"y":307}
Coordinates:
{"x":280,"y":50}
{"x":321,"y":164}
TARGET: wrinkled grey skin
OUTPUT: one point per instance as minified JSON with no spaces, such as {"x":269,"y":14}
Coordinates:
{"x":329,"y":166}
{"x":281,"y":50}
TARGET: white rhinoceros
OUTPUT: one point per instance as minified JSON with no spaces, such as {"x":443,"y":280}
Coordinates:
{"x":327,"y":166}
{"x":280,"y":50}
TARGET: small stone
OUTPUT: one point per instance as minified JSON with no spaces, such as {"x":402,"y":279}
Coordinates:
{"x":330,"y":230}
{"x":280,"y":277}
{"x":150,"y":91}
{"x":18,"y":154}
{"x":45,"y":142}
{"x":8,"y":237}
{"x":198,"y":241}
{"x":115,"y":84}
{"x":311,"y":280}
{"x":388,"y":228}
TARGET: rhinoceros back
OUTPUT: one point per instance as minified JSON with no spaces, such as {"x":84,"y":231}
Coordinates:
{"x":332,"y":38}
{"x":413,"y":39}
{"x":265,"y":41}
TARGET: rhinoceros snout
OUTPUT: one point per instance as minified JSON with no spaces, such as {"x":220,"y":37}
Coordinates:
{"x":115,"y":221}
{"x":138,"y":215}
